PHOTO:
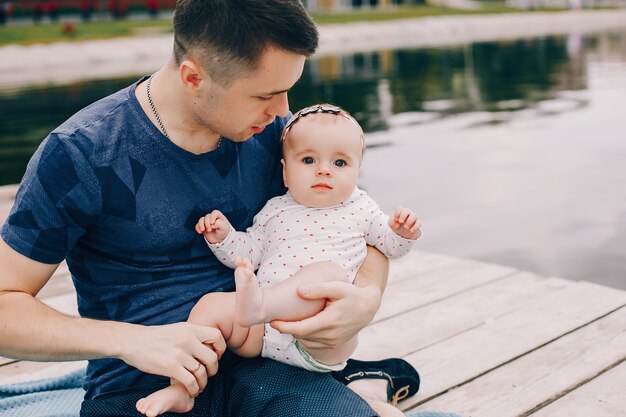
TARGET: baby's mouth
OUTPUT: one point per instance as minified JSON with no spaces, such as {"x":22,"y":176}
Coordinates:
{"x":322,"y":186}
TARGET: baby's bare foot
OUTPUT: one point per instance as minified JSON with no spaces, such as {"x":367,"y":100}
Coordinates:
{"x":243,"y":263}
{"x":249,"y":297}
{"x":173,"y":398}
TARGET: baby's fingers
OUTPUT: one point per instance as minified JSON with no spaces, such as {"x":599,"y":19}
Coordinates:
{"x":396,"y":214}
{"x":215,"y":216}
{"x":416,"y":229}
{"x":200,"y":228}
{"x":402,"y":214}
{"x":411,"y":221}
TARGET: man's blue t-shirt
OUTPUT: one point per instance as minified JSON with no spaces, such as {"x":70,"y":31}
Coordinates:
{"x":117,"y":199}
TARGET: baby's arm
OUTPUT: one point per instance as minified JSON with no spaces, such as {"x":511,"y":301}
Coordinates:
{"x":405,"y":223}
{"x":393,"y":236}
{"x":227,"y":243}
{"x":214,"y":227}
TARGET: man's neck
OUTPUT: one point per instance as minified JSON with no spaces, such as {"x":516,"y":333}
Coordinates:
{"x":173,"y":108}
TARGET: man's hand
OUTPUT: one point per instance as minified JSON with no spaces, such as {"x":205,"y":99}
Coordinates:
{"x":405,"y":223}
{"x":214,"y":226}
{"x":185,"y":352}
{"x":348,"y":310}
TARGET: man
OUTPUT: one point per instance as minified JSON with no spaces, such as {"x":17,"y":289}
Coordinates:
{"x":116,"y":191}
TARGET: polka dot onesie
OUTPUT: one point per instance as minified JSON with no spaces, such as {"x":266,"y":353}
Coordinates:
{"x":287,"y":235}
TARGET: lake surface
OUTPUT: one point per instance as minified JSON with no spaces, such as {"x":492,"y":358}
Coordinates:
{"x":511,"y":152}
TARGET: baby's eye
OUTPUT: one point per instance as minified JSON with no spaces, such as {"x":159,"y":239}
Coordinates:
{"x":340,"y":163}
{"x":308,"y":160}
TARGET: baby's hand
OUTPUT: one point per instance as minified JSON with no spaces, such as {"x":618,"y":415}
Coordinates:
{"x":405,"y":223}
{"x":214,"y":226}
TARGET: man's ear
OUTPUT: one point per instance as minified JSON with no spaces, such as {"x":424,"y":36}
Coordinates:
{"x":192,"y":75}
{"x":282,"y":161}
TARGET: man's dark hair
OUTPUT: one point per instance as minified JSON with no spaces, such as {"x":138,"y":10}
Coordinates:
{"x":229,"y":36}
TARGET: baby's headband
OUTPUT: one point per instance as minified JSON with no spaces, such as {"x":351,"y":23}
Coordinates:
{"x":320,"y":108}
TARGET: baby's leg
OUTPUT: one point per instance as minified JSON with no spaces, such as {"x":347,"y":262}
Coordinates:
{"x":213,"y":310}
{"x":173,"y":398}
{"x":218,"y":310}
{"x":282,"y":302}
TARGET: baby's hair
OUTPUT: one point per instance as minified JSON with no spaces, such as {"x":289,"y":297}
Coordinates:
{"x":323,"y":108}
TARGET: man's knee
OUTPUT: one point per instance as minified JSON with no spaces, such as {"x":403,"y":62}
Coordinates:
{"x":279,"y":389}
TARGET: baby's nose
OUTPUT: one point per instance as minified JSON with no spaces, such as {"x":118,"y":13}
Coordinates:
{"x":323,"y":171}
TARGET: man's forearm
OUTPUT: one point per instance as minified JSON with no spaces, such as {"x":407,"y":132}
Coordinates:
{"x":31,"y":330}
{"x":374,"y":270}
{"x":373,"y":276}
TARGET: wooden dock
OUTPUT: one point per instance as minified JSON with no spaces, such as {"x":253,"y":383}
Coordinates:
{"x":488,"y":340}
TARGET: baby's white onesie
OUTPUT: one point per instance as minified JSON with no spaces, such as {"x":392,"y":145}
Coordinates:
{"x":287,"y":235}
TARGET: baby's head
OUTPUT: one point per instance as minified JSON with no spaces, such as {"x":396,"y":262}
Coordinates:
{"x":322,"y":153}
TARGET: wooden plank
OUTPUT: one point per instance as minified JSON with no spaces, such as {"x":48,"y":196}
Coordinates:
{"x":7,"y":192}
{"x":7,"y":196}
{"x":418,"y":262}
{"x":435,"y":285}
{"x":544,"y":374}
{"x":459,"y":359}
{"x":60,"y":283}
{"x":602,"y":396}
{"x":418,"y":328}
{"x":5,"y":208}
{"x":5,"y":361}
{"x":64,"y":303}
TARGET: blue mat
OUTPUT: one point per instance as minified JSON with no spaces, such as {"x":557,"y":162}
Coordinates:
{"x":53,"y":397}
{"x":61,"y":397}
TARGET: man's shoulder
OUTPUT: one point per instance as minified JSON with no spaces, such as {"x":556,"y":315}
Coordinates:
{"x":101,"y":120}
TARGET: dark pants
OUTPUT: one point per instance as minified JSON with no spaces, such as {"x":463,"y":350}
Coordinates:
{"x":256,"y":387}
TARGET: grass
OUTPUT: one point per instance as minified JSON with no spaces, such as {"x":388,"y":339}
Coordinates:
{"x":54,"y":32}
{"x":405,"y":12}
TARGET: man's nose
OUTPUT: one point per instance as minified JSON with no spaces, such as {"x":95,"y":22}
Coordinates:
{"x":279,"y":105}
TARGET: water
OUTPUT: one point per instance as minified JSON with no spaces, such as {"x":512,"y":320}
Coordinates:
{"x":511,"y":152}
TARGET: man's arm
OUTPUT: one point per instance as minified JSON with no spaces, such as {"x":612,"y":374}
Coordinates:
{"x":31,"y":330}
{"x":349,"y":307}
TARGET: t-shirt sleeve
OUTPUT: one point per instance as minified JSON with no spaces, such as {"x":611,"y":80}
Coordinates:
{"x":56,"y":201}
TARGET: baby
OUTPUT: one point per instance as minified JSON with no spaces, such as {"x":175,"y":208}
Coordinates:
{"x":318,"y":231}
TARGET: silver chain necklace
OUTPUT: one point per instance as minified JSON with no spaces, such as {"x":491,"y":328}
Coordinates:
{"x":156,"y":113}
{"x":153,"y":107}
